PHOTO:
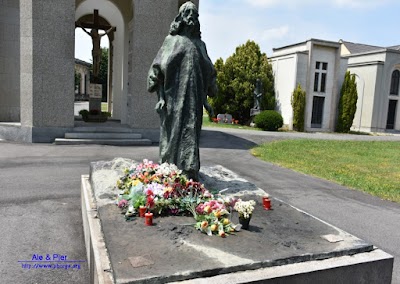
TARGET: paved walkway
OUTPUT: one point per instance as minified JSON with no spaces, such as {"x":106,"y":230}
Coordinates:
{"x":40,"y":204}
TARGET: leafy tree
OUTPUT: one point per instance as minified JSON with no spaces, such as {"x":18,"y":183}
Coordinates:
{"x":299,"y":105}
{"x":347,"y":103}
{"x":236,"y":79}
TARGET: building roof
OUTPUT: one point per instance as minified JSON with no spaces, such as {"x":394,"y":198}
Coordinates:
{"x":395,"y":47}
{"x":81,"y":62}
{"x":315,"y":40}
{"x":356,"y":48}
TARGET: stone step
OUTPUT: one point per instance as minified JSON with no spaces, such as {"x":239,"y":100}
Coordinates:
{"x":112,"y":142}
{"x":103,"y":135}
{"x":102,"y":129}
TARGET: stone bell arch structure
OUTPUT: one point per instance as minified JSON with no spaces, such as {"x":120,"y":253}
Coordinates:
{"x":37,"y":63}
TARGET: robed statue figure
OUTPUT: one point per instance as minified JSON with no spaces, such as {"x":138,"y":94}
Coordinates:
{"x":183,"y":76}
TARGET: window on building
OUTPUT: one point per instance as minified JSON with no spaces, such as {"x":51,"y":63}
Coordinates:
{"x":394,"y":84}
{"x":321,"y":69}
{"x":316,"y":79}
{"x":391,"y":118}
{"x":323,"y":81}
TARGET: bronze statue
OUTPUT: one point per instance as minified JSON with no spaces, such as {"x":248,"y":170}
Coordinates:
{"x":96,"y":51}
{"x":257,"y":95}
{"x":183,"y":76}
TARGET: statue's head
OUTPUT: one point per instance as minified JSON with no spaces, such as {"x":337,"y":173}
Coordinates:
{"x":188,"y":17}
{"x":94,"y":33}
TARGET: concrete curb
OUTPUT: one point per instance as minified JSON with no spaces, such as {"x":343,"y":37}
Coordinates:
{"x":98,"y":260}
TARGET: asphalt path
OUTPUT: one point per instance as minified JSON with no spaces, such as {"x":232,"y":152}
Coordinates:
{"x":40,"y":210}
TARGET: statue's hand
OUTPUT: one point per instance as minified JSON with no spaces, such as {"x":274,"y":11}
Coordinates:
{"x":160,"y":105}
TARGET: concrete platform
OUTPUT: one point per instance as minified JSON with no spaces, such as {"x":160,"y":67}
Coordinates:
{"x":284,"y":245}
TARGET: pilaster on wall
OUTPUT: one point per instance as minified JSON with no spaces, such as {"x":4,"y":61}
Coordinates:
{"x":9,"y":61}
{"x":147,"y":33}
{"x":47,"y":62}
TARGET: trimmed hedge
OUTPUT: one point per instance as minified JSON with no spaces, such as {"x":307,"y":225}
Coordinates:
{"x":268,"y":120}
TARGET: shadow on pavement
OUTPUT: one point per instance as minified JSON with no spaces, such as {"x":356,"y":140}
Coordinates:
{"x":221,"y":140}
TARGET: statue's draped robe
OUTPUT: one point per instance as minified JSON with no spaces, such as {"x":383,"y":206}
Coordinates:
{"x":183,"y":74}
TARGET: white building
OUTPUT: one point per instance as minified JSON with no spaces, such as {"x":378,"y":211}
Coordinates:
{"x":83,"y":69}
{"x":377,"y":71}
{"x":319,"y":67}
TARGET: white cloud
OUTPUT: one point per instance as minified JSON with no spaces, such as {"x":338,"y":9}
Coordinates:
{"x":275,"y":33}
{"x":359,"y":3}
{"x":264,"y":3}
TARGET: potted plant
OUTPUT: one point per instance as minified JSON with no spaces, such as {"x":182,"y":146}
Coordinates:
{"x":94,"y":115}
{"x":245,"y":210}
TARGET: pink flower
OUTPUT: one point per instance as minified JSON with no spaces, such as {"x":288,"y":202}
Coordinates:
{"x":122,"y":203}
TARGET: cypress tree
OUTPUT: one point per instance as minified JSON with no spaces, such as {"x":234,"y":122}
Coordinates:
{"x":298,"y":102}
{"x":347,"y":103}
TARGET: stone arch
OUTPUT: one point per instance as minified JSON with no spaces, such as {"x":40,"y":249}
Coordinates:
{"x":112,"y":13}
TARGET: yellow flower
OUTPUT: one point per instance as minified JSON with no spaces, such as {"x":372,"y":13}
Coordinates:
{"x":168,"y":189}
{"x":204,"y":224}
{"x":214,"y":227}
{"x":135,"y":182}
{"x":226,"y":221}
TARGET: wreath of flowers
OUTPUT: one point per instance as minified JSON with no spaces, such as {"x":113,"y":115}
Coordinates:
{"x":165,"y":191}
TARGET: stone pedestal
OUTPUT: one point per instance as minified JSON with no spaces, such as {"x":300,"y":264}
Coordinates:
{"x":94,"y":104}
{"x":282,"y":245}
{"x":254,"y":111}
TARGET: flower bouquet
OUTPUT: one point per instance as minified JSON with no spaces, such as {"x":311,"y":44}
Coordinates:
{"x":165,"y":191}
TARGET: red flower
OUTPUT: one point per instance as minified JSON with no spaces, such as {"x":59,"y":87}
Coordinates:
{"x":150,"y":201}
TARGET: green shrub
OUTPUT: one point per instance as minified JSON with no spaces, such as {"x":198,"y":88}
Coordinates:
{"x":84,"y":113}
{"x":347,"y":103}
{"x":268,"y":120}
{"x":299,"y":105}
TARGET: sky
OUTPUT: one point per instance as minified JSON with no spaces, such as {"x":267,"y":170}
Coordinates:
{"x":226,"y":24}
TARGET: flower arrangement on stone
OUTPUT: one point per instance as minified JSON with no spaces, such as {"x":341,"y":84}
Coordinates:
{"x":164,"y":190}
{"x":213,"y":217}
{"x":245,"y":208}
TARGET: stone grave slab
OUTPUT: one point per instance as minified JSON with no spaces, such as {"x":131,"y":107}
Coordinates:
{"x":224,"y":118}
{"x":173,"y":250}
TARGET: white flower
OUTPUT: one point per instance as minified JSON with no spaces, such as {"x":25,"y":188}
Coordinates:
{"x":166,"y":169}
{"x":245,"y":208}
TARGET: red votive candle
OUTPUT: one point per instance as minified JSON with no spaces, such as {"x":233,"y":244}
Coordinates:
{"x":266,"y":203}
{"x":148,"y":219}
{"x":142,"y":211}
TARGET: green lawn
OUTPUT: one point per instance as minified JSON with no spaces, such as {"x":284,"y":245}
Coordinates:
{"x":104,"y":106}
{"x":373,"y":167}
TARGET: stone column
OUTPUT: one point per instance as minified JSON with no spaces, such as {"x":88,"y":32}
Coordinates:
{"x":82,"y":82}
{"x":47,"y":65}
{"x":9,"y":61}
{"x":147,"y":33}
